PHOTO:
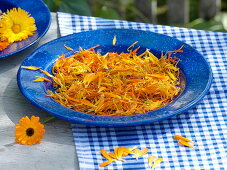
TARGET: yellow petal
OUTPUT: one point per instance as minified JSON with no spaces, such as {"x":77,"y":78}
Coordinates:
{"x":86,"y":102}
{"x":114,"y":40}
{"x":131,"y":46}
{"x":105,"y":154}
{"x":178,"y":137}
{"x":120,"y":152}
{"x":42,"y":79}
{"x":112,"y":95}
{"x":128,"y":150}
{"x":171,"y":76}
{"x":68,"y":48}
{"x":157,"y":162}
{"x":116,"y":152}
{"x":151,"y":160}
{"x":106,"y":163}
{"x":182,"y":142}
{"x":133,"y":148}
{"x":35,"y":119}
{"x":138,"y":153}
{"x":144,"y":151}
{"x":46,"y":73}
{"x":89,"y":77}
{"x":112,"y":155}
{"x":31,"y":67}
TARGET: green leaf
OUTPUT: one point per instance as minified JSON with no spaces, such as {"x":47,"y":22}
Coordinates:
{"x":138,"y":13}
{"x":126,"y":2}
{"x":201,"y":24}
{"x":79,"y":7}
{"x":49,"y":119}
{"x":52,"y":4}
{"x":109,"y":13}
{"x":222,"y":18}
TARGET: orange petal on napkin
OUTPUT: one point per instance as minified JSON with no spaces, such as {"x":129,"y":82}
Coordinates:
{"x":105,"y":154}
{"x":156,"y":162}
{"x":182,"y":142}
{"x":107,"y":162}
{"x":178,"y":137}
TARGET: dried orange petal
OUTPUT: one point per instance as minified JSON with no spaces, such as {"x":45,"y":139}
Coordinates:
{"x":112,"y":155}
{"x":114,"y":40}
{"x":105,"y":154}
{"x":178,"y":137}
{"x":151,"y":160}
{"x":182,"y":142}
{"x":118,"y":153}
{"x":31,"y":67}
{"x":46,"y":73}
{"x":125,"y":154}
{"x":42,"y":79}
{"x":138,"y":153}
{"x":157,"y":162}
{"x":68,"y":48}
{"x":106,"y":162}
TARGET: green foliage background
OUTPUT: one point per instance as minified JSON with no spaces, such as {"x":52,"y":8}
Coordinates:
{"x":126,"y":10}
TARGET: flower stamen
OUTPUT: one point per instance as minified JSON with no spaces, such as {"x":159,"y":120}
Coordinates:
{"x":30,"y":131}
{"x":16,"y":28}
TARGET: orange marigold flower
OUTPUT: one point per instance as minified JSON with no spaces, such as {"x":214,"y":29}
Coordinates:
{"x":29,"y":131}
{"x":17,"y":25}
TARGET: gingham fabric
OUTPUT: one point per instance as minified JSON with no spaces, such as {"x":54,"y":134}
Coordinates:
{"x":205,"y":124}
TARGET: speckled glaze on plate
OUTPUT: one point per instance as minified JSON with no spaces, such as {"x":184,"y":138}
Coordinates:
{"x":39,"y":11}
{"x":193,"y":65}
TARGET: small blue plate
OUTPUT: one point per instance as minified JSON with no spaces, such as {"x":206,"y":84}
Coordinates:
{"x":39,"y":11}
{"x":196,"y":70}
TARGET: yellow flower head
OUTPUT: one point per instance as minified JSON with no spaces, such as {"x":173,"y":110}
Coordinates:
{"x":16,"y":25}
{"x":29,"y":131}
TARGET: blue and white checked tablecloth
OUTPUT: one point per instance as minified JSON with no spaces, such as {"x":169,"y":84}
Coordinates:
{"x":206,"y":123}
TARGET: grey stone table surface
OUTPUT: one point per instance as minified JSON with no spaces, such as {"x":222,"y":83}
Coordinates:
{"x":57,"y":150}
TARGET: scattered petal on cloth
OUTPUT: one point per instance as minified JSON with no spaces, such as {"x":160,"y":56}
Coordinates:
{"x":205,"y":124}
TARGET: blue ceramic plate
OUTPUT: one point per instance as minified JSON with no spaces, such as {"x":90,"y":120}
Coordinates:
{"x":39,"y":11}
{"x":195,"y":69}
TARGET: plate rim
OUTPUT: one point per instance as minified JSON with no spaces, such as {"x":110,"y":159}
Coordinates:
{"x":121,"y":123}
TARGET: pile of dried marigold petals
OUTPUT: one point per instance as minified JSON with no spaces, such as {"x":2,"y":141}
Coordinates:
{"x":121,"y":152}
{"x":115,"y":84}
{"x":183,"y":141}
